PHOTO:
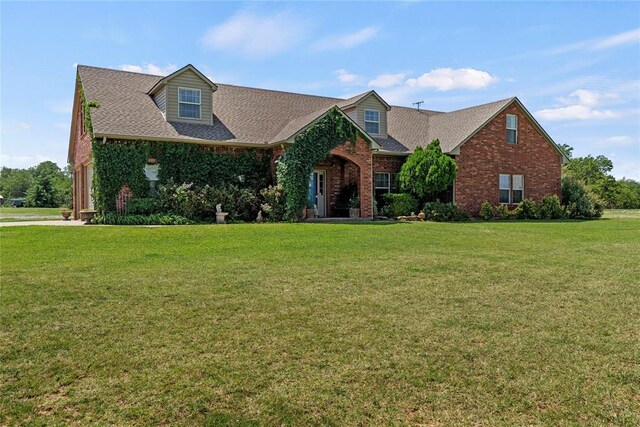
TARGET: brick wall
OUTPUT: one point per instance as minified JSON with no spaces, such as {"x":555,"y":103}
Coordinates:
{"x":485,"y":156}
{"x":362,"y":157}
{"x":81,"y":157}
{"x":390,"y":164}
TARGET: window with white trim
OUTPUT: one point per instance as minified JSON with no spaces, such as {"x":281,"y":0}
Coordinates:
{"x":188,"y":103}
{"x":512,"y":129}
{"x":517,"y":188}
{"x":505,"y":188}
{"x":372,"y":121}
{"x":151,"y":172}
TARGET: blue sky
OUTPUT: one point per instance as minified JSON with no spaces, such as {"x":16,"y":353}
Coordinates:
{"x":576,"y":66}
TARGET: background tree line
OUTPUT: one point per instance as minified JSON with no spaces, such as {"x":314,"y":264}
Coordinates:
{"x":594,"y":172}
{"x":44,"y":185}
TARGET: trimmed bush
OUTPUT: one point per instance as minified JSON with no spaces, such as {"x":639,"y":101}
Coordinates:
{"x":578,"y":201}
{"x":155,"y":219}
{"x":399,"y":204}
{"x":526,"y":209}
{"x":439,"y":212}
{"x":486,"y":211}
{"x":502,"y":212}
{"x":142,"y":206}
{"x":551,"y":208}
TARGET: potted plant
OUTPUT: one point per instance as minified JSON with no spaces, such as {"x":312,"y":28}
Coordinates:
{"x":87,"y":215}
{"x":354,"y":207}
{"x":66,"y":213}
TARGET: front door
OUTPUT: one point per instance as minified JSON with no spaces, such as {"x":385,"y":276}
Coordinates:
{"x":317,"y":190}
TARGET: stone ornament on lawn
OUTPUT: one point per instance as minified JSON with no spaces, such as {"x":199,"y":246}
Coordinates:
{"x":220,"y":215}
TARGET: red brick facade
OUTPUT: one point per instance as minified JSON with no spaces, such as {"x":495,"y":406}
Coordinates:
{"x":81,"y":160}
{"x":487,"y":155}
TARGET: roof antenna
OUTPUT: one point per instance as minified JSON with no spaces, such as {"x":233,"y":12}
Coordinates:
{"x":417,"y":104}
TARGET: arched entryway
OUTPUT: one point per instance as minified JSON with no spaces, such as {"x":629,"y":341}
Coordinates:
{"x":333,"y":184}
{"x":348,"y":173}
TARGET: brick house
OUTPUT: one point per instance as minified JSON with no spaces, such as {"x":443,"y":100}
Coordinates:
{"x":503,"y":154}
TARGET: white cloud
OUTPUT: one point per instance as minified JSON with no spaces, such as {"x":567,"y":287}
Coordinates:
{"x":620,"y":39}
{"x":443,"y":79}
{"x":387,"y":80}
{"x":347,"y":78}
{"x":148,"y":68}
{"x":347,"y":41}
{"x":257,"y":35}
{"x":579,"y":105}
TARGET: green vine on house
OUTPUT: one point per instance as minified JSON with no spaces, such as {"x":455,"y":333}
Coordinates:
{"x":310,"y":147}
{"x":122,"y":162}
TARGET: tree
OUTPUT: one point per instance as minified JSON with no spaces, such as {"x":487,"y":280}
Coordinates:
{"x":42,"y":193}
{"x":567,"y":150}
{"x":427,"y":171}
{"x":589,"y":169}
{"x":14,"y":182}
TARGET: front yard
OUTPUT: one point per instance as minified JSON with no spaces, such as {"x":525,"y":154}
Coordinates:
{"x":500,"y":323}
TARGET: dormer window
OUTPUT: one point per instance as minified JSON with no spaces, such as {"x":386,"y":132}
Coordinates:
{"x":189,"y":103}
{"x":512,"y":129}
{"x":372,"y":121}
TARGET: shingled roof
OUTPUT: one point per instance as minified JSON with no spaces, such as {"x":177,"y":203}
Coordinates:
{"x":243,"y":115}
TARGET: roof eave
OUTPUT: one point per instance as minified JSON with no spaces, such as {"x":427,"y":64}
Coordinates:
{"x":165,"y":79}
{"x":182,"y":140}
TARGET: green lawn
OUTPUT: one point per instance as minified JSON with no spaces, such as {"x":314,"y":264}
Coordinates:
{"x":29,"y":214}
{"x":500,"y":323}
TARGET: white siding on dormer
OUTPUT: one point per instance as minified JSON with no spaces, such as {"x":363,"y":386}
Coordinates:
{"x":189,"y":79}
{"x":372,"y":103}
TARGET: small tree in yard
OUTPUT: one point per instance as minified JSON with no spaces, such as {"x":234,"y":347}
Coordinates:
{"x":42,"y":193}
{"x":427,"y":171}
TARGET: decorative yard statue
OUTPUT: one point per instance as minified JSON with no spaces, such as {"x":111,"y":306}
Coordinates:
{"x":220,"y":215}
{"x":259,"y":217}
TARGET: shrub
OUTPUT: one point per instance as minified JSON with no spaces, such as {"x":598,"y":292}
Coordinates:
{"x":438,"y":211}
{"x":273,"y":203}
{"x":502,"y":212}
{"x":200,"y":204}
{"x":526,"y":209}
{"x":578,"y":201}
{"x":399,"y":204}
{"x":486,"y":211}
{"x":154,"y":219}
{"x":550,"y":208}
{"x":241,"y":203}
{"x":142,"y":206}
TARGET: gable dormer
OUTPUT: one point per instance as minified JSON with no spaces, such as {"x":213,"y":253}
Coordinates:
{"x":369,"y":110}
{"x":185,"y":96}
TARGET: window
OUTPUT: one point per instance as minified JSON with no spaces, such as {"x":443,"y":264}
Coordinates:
{"x":381,"y":186}
{"x":512,"y":129}
{"x":189,"y":103}
{"x":372,"y":121}
{"x":511,"y":188}
{"x":151,"y":172}
{"x":505,"y":188}
{"x":517,"y":188}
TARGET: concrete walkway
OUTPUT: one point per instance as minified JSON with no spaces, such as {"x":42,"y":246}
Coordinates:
{"x":55,"y":222}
